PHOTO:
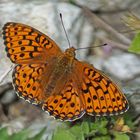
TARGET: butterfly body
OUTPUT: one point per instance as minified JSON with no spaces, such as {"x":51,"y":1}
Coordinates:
{"x":62,"y":69}
{"x":60,"y":84}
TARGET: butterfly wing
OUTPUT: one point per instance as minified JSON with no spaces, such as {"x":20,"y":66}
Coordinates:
{"x":25,"y":44}
{"x":101,"y":95}
{"x":66,"y":105}
{"x":31,"y":49}
{"x":29,"y":83}
{"x":87,"y":90}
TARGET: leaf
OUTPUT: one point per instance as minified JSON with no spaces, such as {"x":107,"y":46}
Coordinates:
{"x":128,"y":121}
{"x":102,"y":138}
{"x":77,"y":131}
{"x":85,"y":127}
{"x":135,"y":45}
{"x":99,"y":126}
{"x":91,"y":133}
{"x":121,"y":136}
{"x":22,"y":135}
{"x":4,"y":134}
{"x":63,"y":135}
{"x":39,"y":135}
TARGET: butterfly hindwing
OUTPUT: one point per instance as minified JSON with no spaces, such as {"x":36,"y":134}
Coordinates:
{"x":25,"y":44}
{"x":65,"y":105}
{"x":28,"y":82}
{"x":101,"y":96}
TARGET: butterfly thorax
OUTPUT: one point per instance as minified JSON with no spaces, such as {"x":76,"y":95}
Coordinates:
{"x":70,"y":52}
{"x":62,"y":69}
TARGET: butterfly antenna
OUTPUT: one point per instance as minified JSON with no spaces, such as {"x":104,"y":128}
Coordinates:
{"x":65,"y":30}
{"x":93,"y":46}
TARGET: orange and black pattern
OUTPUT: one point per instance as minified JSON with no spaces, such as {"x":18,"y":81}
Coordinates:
{"x":25,"y":44}
{"x":55,"y":81}
{"x":28,"y":82}
{"x":67,"y":105}
{"x":100,"y":95}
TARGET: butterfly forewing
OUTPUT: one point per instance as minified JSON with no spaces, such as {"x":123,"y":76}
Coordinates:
{"x":25,"y":44}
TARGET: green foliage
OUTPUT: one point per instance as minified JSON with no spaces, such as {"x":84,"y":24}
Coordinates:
{"x":135,"y":45}
{"x":99,"y":126}
{"x":94,"y":130}
{"x":21,"y":135}
{"x":85,"y":127}
{"x":39,"y":135}
{"x":128,"y":121}
{"x":102,"y":138}
{"x":121,"y":136}
{"x":4,"y":134}
{"x":63,"y":135}
{"x":99,"y":129}
{"x":72,"y":1}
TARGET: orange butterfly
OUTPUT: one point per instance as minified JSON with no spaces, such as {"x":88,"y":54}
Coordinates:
{"x":62,"y":85}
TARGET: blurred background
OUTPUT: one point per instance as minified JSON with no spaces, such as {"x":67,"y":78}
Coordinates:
{"x":88,"y":23}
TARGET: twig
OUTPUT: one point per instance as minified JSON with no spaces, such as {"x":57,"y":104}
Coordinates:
{"x":102,"y":24}
{"x":115,"y":11}
{"x":101,"y":11}
{"x":5,"y":74}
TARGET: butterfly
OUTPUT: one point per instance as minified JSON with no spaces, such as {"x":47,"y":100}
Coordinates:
{"x":56,"y":81}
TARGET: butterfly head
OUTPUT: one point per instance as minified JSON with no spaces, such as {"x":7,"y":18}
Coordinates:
{"x":70,"y":52}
